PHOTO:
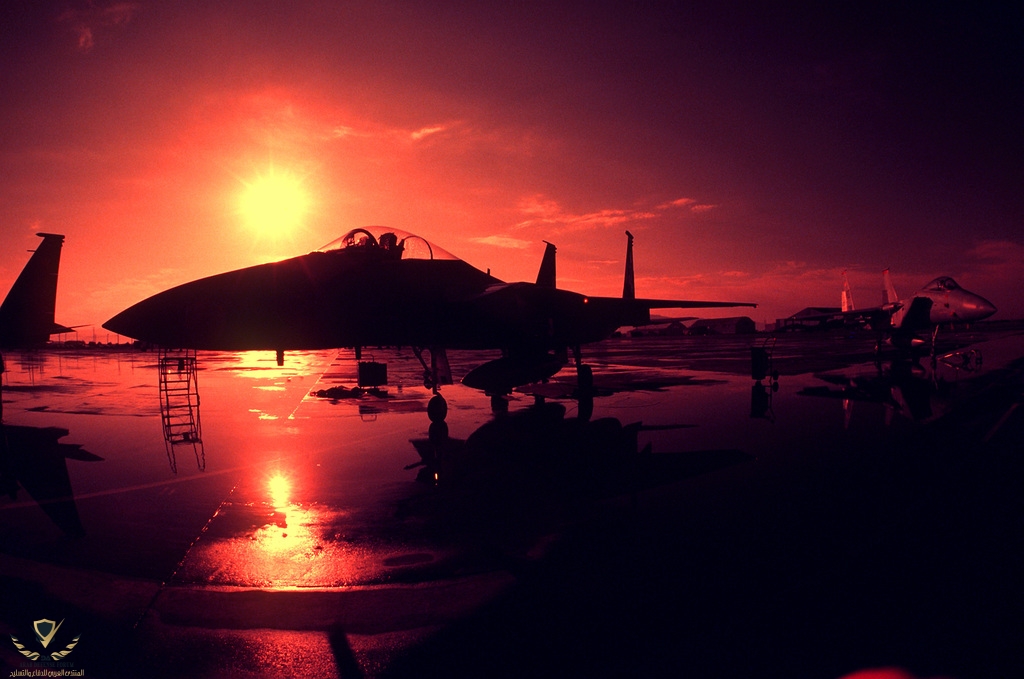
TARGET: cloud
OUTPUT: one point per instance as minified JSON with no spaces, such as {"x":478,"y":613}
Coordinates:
{"x":690,"y":203}
{"x":85,"y":23}
{"x":678,"y":202}
{"x":381,"y":133}
{"x":426,"y":132}
{"x":504,"y":242}
{"x":343,"y":131}
{"x":998,"y":252}
{"x":540,"y":209}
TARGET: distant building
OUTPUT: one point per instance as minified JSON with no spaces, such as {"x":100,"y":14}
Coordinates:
{"x":669,"y":328}
{"x":737,"y":325}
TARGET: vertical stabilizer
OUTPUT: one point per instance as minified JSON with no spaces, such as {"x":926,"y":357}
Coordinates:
{"x":629,"y":284}
{"x":546,"y":275}
{"x":889,"y":298}
{"x":26,"y":315}
{"x":847,"y":295}
{"x":889,"y":291}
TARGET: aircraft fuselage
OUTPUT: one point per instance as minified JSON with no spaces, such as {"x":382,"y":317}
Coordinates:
{"x":355,"y":297}
{"x":950,"y":303}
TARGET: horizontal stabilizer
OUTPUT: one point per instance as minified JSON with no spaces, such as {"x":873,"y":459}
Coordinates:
{"x":688,"y":304}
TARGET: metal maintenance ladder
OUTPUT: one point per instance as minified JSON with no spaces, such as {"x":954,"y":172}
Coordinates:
{"x":179,"y":404}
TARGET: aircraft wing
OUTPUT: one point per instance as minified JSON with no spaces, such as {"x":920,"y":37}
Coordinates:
{"x":683,"y":304}
{"x":874,"y":316}
{"x":527,"y":313}
{"x":638,"y":311}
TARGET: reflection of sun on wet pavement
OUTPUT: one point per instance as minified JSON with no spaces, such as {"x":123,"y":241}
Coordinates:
{"x":263,"y":537}
{"x":258,"y":545}
{"x":280,"y":489}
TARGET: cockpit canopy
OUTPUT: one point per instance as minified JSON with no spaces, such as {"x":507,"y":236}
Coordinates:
{"x":942,"y":284}
{"x":382,"y":239}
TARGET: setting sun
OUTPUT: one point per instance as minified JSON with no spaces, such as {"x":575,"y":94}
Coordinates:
{"x":274,"y":204}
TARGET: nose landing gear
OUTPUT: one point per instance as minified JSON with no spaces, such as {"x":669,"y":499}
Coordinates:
{"x":439,"y":372}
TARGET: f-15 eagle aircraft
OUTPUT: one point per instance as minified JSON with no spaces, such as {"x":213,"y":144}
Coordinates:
{"x":377,"y":286}
{"x":940,"y":301}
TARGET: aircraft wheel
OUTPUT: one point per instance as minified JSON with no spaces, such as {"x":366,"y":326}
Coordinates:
{"x":438,"y":433}
{"x":586,"y":409}
{"x":437,"y":408}
{"x":499,"y":404}
{"x":585,"y":378}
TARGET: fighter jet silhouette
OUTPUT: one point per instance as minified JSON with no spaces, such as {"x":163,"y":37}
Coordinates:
{"x":377,"y":286}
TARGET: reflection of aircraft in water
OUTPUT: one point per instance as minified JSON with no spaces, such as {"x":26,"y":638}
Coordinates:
{"x":539,"y":445}
{"x":380,"y":287}
{"x":34,"y":458}
{"x":26,"y":316}
{"x":904,"y":387}
{"x":900,"y":386}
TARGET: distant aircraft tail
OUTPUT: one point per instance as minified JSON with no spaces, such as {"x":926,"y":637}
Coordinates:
{"x":847,"y":295}
{"x":889,"y":295}
{"x":27,"y":314}
{"x":546,"y":275}
{"x":629,"y":282}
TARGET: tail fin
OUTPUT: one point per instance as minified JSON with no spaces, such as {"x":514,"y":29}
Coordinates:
{"x":889,"y":295}
{"x":629,"y":282}
{"x":26,"y":315}
{"x":546,"y":275}
{"x":847,"y":295}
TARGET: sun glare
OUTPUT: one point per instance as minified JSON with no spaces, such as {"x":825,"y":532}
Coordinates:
{"x":274,"y":204}
{"x":280,"y":489}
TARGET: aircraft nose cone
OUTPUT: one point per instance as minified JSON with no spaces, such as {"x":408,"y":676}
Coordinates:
{"x":985,"y":308}
{"x":145,"y":321}
{"x":975,"y":307}
{"x":125,"y":323}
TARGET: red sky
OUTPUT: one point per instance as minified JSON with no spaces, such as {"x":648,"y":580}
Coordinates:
{"x":755,"y":151}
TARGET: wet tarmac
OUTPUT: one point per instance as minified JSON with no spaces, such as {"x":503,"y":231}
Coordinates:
{"x":683,"y":520}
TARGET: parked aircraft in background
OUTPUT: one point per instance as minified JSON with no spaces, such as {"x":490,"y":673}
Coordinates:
{"x":940,"y":301}
{"x":949,"y":303}
{"x":26,"y":316}
{"x":377,"y":286}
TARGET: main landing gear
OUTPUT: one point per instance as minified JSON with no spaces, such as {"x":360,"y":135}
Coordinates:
{"x":584,"y":386}
{"x":584,"y":373}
